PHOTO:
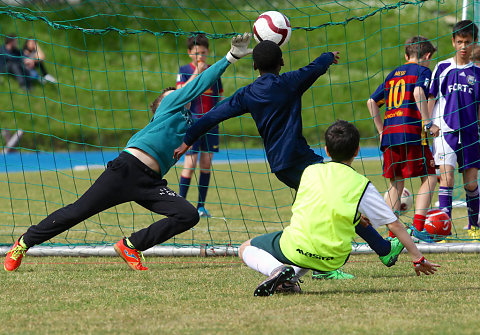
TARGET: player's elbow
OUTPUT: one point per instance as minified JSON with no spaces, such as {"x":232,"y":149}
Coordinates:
{"x":372,"y":107}
{"x":418,"y":94}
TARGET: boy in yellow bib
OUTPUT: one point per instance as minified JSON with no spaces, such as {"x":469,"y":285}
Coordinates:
{"x":331,"y":200}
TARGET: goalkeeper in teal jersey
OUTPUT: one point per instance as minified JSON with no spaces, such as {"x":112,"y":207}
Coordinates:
{"x":332,"y":199}
{"x":137,"y":175}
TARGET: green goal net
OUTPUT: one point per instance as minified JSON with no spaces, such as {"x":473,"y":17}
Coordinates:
{"x":106,"y":61}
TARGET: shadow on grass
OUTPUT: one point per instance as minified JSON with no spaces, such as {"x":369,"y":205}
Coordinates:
{"x":387,"y":290}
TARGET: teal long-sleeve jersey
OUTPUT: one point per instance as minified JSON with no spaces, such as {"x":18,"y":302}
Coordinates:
{"x":171,"y":120}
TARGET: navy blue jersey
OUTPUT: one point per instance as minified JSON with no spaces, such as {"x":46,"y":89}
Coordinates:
{"x":275,"y":103}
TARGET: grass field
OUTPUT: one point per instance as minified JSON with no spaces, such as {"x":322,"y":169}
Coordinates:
{"x":215,"y":296}
{"x":107,"y":80}
{"x":245,"y":199}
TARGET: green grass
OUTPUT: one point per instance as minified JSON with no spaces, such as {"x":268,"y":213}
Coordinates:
{"x":249,"y":197}
{"x":215,"y":296}
{"x":108,"y":80}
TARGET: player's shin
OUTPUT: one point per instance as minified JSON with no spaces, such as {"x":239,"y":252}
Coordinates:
{"x":473,"y":207}
{"x":260,"y":260}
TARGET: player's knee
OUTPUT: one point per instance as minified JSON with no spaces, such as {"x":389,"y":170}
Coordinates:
{"x":471,"y":186}
{"x":188,"y":217}
{"x":242,"y":248}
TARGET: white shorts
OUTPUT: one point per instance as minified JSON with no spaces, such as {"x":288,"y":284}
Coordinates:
{"x":443,"y":153}
{"x":448,"y":150}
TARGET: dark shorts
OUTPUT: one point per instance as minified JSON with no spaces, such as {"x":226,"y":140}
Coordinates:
{"x":292,"y":175}
{"x":407,"y":161}
{"x":271,"y":244}
{"x":207,"y":143}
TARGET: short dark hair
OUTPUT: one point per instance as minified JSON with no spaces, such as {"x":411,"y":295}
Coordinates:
{"x":267,"y":56}
{"x":342,"y":139}
{"x":199,"y":39}
{"x":154,"y":105}
{"x":465,"y":28}
{"x":9,"y":38}
{"x":419,"y":46}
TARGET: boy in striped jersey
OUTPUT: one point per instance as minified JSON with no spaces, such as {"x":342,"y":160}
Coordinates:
{"x":406,"y":153}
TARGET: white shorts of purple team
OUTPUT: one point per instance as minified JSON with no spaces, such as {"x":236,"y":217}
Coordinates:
{"x":459,"y":147}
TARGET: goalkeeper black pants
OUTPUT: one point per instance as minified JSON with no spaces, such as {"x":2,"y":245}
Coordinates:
{"x":125,"y":179}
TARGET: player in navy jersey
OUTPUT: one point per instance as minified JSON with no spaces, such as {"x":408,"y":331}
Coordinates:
{"x":454,"y":101}
{"x":198,"y":51}
{"x":275,"y":103}
{"x":406,"y":153}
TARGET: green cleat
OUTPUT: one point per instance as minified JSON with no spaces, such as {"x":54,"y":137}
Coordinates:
{"x":335,"y":274}
{"x":396,"y":248}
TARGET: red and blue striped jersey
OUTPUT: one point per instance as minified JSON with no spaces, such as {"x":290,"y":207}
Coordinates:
{"x":403,"y":121}
{"x":208,"y":99}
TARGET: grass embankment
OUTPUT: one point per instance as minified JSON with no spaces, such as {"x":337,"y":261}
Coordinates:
{"x":107,"y":81}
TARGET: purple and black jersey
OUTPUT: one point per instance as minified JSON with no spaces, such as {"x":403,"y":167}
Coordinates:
{"x":457,"y":90}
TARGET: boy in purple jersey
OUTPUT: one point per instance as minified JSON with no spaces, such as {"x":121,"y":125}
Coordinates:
{"x":454,"y":101}
{"x":406,"y":153}
{"x":208,"y":144}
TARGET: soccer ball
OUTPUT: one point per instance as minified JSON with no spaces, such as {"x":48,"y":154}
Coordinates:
{"x":406,"y":201}
{"x":438,"y":224}
{"x":272,"y":26}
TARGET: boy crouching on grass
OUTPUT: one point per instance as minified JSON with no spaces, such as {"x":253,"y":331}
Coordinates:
{"x":330,"y":202}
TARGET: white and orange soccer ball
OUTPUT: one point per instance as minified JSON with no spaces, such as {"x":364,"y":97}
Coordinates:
{"x":272,"y":26}
{"x":406,"y":201}
{"x":438,"y":224}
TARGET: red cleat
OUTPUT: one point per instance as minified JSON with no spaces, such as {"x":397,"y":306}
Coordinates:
{"x":130,"y":256}
{"x":14,"y":256}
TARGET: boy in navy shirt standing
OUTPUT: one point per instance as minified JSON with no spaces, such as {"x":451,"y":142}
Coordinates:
{"x":274,"y":101}
{"x":198,"y":51}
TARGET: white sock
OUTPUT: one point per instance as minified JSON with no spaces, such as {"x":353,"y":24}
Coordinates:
{"x":299,"y":272}
{"x":260,"y":260}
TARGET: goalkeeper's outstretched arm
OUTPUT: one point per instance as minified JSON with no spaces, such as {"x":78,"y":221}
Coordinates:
{"x":182,"y":96}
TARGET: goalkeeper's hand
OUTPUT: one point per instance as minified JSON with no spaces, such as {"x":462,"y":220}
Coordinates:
{"x":180,"y":151}
{"x":239,"y":47}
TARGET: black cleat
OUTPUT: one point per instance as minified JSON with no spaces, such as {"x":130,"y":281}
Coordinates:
{"x":278,"y":277}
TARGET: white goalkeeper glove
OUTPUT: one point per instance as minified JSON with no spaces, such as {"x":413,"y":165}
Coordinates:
{"x":239,"y":47}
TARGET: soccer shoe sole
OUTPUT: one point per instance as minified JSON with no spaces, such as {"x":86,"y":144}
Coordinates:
{"x":120,"y":253}
{"x":268,"y":287}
